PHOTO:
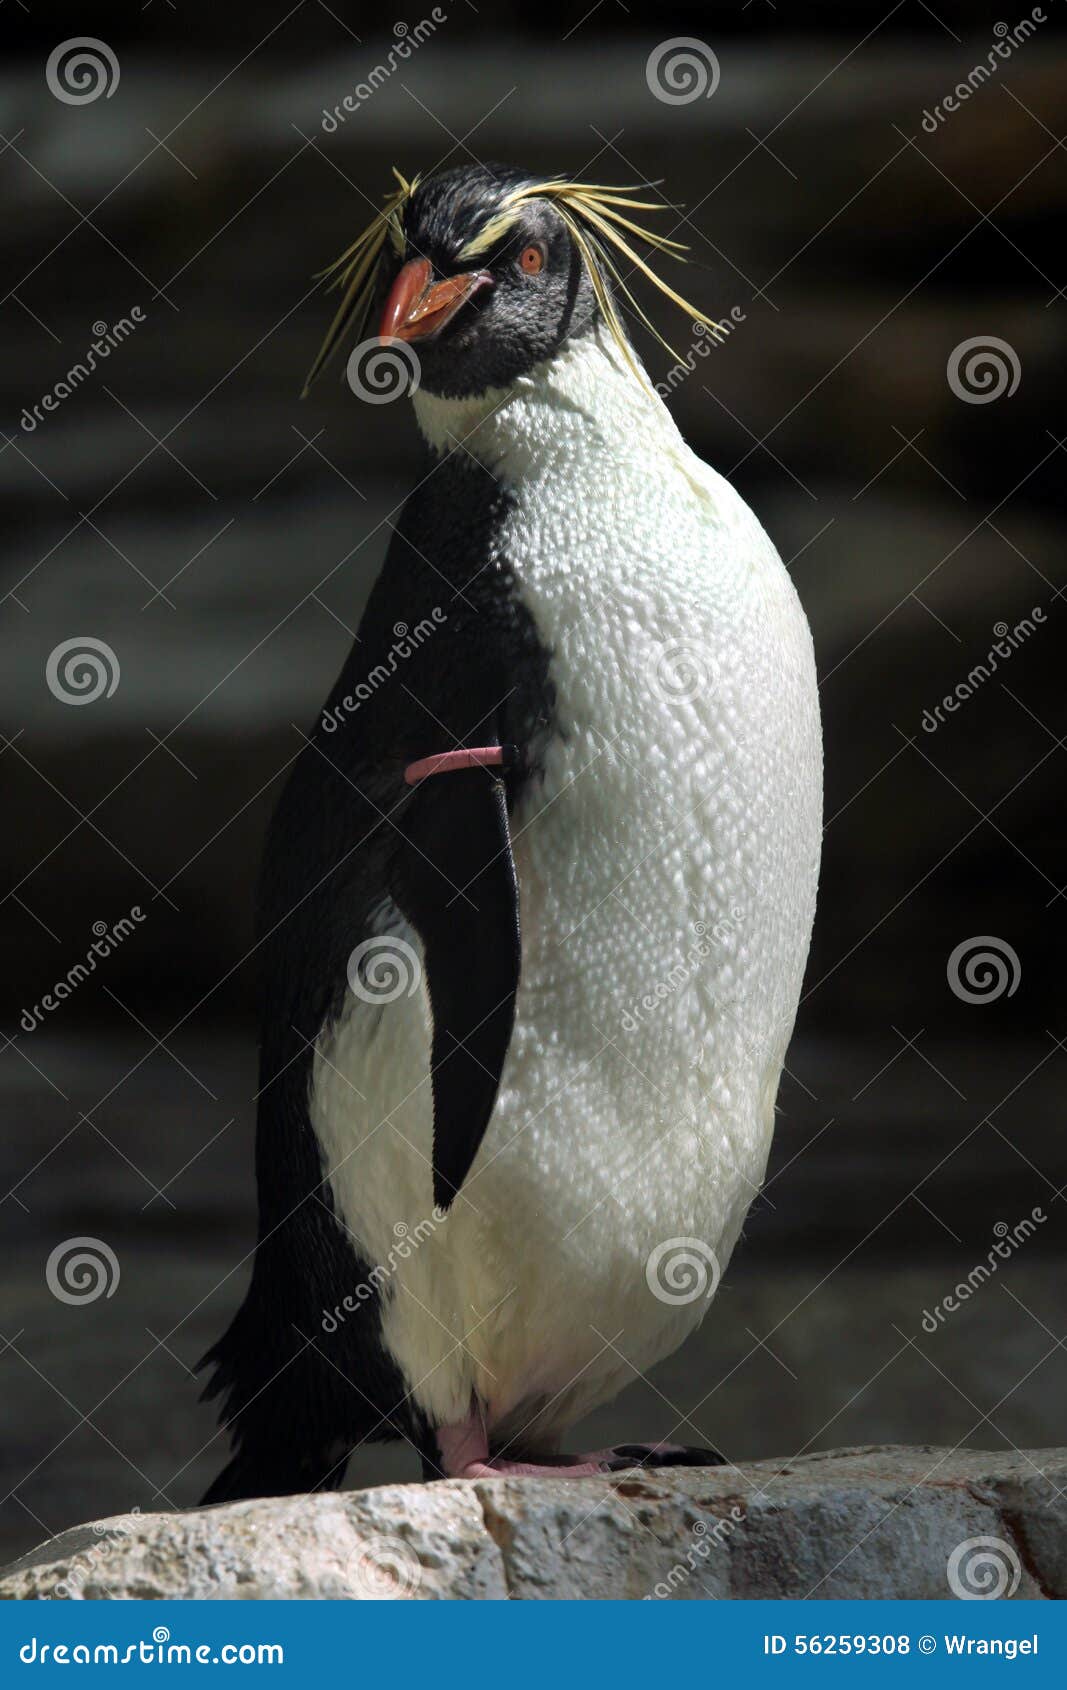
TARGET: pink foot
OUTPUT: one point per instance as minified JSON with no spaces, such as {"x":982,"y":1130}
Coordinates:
{"x":496,"y":1468}
{"x":465,"y":1455}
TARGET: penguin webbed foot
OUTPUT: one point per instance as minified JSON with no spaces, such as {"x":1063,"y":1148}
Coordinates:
{"x":618,"y":1458}
{"x":499,"y":1467}
{"x":623,"y":1457}
{"x":465,"y":1455}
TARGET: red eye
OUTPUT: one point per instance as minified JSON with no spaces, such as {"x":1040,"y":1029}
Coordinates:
{"x":532,"y":260}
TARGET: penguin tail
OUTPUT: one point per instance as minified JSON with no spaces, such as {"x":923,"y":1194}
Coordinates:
{"x":253,"y":1472}
{"x":237,"y":1482}
{"x":269,"y":1455}
{"x":297,"y":1395}
{"x":276,"y":1450}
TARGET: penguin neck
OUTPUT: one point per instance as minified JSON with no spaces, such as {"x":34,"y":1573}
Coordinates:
{"x":586,"y":400}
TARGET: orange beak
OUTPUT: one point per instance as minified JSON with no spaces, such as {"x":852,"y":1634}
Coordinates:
{"x":415,"y":309}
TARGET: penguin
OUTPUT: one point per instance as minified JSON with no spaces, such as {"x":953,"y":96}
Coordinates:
{"x":537,"y":896}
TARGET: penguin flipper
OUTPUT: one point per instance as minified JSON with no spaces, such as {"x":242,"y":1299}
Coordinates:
{"x":456,"y":884}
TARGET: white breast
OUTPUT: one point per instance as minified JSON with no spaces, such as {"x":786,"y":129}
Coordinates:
{"x":667,"y":874}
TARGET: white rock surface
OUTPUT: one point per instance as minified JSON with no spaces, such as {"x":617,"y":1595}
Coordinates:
{"x":878,"y":1522}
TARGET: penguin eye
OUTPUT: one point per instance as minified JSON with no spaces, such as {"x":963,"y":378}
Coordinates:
{"x":532,"y":259}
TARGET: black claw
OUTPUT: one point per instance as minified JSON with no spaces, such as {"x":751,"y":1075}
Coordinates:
{"x":643,"y":1455}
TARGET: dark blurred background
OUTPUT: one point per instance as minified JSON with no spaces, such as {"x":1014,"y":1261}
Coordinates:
{"x":183,"y":507}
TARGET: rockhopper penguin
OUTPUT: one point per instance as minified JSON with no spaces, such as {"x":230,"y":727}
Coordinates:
{"x":537,"y":896}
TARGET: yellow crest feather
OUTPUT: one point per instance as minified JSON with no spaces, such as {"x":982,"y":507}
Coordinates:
{"x":595,"y":218}
{"x":356,"y":272}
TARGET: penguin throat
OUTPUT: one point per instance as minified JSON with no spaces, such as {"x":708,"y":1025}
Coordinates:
{"x":586,"y":392}
{"x":447,"y":424}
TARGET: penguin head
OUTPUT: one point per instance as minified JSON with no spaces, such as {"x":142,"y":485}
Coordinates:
{"x":486,"y":272}
{"x":485,"y":287}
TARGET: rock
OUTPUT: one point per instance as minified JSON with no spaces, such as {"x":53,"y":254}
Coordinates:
{"x":872,"y":1522}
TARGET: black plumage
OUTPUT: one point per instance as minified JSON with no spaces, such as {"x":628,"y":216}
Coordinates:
{"x":348,"y":834}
